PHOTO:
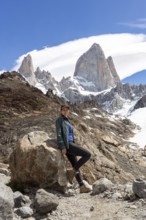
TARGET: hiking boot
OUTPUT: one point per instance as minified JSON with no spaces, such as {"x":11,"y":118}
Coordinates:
{"x":85,"y":188}
{"x":70,"y":175}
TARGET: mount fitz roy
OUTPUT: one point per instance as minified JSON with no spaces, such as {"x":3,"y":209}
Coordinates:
{"x":95,"y":78}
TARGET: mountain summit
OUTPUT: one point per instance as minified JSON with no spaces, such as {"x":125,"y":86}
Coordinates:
{"x":27,"y":70}
{"x":94,"y":67}
{"x":95,"y":78}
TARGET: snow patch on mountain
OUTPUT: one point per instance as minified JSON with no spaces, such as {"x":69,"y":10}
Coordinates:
{"x":139,"y":118}
{"x":126,"y":109}
{"x":41,"y":87}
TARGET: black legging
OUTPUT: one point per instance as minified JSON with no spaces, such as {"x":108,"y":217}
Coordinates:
{"x":73,"y":151}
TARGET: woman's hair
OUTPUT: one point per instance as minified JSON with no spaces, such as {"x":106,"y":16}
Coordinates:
{"x":64,"y":106}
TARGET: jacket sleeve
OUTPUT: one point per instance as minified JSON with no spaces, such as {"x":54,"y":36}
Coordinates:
{"x":60,"y":140}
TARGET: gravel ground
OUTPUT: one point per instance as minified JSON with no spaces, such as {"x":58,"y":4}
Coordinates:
{"x":86,"y":206}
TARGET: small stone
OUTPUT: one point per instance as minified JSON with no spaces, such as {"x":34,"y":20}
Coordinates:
{"x":45,"y":202}
{"x":117,"y":196}
{"x":133,"y":207}
{"x":4,"y":171}
{"x":143,"y":214}
{"x":92,"y":208}
{"x":101,"y":186}
{"x":21,"y":200}
{"x":24,"y":212}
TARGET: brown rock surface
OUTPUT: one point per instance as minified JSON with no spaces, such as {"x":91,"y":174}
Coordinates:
{"x":37,"y":161}
{"x":25,"y":109}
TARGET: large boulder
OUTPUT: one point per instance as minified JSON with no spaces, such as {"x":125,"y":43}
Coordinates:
{"x":6,"y":202}
{"x":139,"y":188}
{"x":36,"y":160}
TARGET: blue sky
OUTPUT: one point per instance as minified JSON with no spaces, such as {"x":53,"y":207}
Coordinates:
{"x":33,"y":24}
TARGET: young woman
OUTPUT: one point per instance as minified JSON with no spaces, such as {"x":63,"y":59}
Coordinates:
{"x":65,"y":140}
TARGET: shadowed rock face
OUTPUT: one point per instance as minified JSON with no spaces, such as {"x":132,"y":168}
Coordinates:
{"x":25,"y":109}
{"x":141,"y":103}
{"x":94,"y":67}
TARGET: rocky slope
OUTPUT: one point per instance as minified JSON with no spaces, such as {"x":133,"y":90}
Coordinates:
{"x":117,"y":97}
{"x":26,"y":109}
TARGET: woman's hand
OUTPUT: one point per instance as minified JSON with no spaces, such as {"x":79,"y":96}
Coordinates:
{"x":63,"y":152}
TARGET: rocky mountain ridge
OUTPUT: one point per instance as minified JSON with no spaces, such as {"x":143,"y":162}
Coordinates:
{"x":95,"y":78}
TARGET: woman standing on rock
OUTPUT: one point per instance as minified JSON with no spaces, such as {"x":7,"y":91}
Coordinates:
{"x":65,"y":140}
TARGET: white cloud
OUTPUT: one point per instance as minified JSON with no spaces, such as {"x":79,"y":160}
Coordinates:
{"x":142,"y":19}
{"x":128,"y":52}
{"x":140,"y":23}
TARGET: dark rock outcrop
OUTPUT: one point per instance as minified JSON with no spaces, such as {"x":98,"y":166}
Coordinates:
{"x":141,"y":103}
{"x":139,"y":188}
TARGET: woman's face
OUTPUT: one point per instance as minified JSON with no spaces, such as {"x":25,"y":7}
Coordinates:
{"x":65,"y":112}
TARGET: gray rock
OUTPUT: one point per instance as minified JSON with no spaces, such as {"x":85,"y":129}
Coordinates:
{"x":4,"y":171}
{"x":21,"y":200}
{"x":101,"y":185}
{"x":141,"y":103}
{"x":73,"y":95}
{"x":143,"y":214}
{"x":117,"y":196}
{"x":94,"y":67}
{"x":24,"y":212}
{"x":110,"y":100}
{"x":6,"y":202}
{"x":16,"y":217}
{"x":45,"y":78}
{"x":27,"y":70}
{"x":4,"y":179}
{"x":113,"y":70}
{"x":45,"y":202}
{"x":119,"y":95}
{"x":66,"y":83}
{"x":139,"y":188}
